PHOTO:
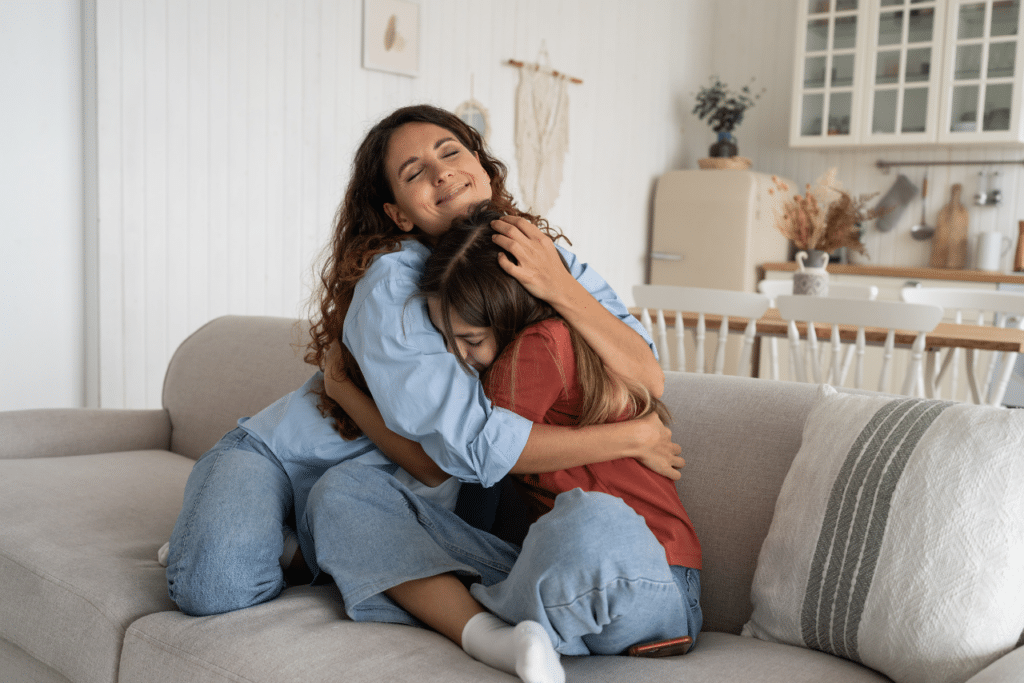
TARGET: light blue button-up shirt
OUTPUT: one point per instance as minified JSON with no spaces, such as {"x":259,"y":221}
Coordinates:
{"x":420,"y":389}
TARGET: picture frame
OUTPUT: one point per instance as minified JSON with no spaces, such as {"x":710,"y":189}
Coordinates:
{"x":391,"y":36}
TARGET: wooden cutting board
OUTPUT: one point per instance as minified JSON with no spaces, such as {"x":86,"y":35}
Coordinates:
{"x":949,"y":244}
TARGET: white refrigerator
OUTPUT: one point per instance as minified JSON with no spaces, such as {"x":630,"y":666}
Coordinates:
{"x":713,"y":228}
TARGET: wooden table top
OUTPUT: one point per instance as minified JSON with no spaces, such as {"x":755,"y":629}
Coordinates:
{"x":944,"y":335}
{"x":908,"y":273}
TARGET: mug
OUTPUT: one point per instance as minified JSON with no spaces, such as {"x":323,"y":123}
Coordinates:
{"x":991,"y":248}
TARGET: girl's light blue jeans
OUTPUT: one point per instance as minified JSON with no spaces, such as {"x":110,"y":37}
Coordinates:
{"x":590,"y":571}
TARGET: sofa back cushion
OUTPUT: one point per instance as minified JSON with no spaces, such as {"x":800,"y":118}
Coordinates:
{"x":739,"y":437}
{"x":232,"y":367}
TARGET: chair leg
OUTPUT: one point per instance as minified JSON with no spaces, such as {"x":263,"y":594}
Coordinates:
{"x":999,"y":388}
{"x":972,"y":379}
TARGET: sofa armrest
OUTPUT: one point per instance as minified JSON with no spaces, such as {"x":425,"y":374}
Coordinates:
{"x":59,"y":432}
{"x":1006,"y":669}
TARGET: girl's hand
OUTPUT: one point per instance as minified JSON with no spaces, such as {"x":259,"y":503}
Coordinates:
{"x":659,"y":454}
{"x":540,"y":269}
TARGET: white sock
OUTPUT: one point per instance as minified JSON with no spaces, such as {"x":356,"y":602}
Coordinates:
{"x":537,"y":661}
{"x":524,"y":650}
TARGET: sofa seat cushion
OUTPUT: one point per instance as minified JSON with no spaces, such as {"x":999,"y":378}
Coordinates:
{"x":303,"y":635}
{"x":78,"y":553}
{"x":721,"y":657}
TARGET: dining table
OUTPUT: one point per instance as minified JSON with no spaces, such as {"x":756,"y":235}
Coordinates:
{"x":972,"y":338}
{"x":945,"y":334}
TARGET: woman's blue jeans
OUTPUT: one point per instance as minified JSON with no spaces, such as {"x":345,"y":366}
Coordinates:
{"x":229,"y":535}
{"x":590,"y":571}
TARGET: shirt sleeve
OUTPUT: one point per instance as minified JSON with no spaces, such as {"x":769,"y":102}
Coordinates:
{"x":420,"y":389}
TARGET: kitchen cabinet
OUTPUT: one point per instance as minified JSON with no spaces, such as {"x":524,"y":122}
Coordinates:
{"x":884,"y":72}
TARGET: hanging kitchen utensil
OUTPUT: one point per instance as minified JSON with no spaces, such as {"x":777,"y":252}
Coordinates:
{"x":949,"y":248}
{"x":922,"y":230}
{"x":894,"y":201}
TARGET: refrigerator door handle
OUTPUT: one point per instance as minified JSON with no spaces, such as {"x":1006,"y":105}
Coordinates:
{"x":665,"y":256}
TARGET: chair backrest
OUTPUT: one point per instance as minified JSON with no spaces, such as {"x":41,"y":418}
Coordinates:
{"x":975,"y":307}
{"x":776,"y":288}
{"x":859,"y":313}
{"x":719,"y":302}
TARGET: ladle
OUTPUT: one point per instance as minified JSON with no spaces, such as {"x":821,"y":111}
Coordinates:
{"x":922,"y":230}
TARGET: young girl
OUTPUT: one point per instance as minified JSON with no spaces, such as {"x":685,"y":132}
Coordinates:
{"x":535,"y":364}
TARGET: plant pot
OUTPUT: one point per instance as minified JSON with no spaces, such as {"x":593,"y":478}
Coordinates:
{"x":725,"y":147}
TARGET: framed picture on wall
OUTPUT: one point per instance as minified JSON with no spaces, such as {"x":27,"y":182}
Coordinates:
{"x":391,"y":36}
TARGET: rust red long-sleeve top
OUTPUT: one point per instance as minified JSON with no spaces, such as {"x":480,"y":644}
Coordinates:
{"x":545,"y":390}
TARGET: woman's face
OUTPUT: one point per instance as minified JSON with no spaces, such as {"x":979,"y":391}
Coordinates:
{"x":433,"y":177}
{"x":475,"y":345}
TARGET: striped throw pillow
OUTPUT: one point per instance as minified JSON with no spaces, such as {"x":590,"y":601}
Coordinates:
{"x":898,"y":538}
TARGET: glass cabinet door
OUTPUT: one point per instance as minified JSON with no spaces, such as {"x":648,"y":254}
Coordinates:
{"x":984,"y":100}
{"x":826,"y":73}
{"x":905,"y":75}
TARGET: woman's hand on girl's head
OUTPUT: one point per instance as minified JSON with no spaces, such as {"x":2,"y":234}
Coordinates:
{"x":658,"y":453}
{"x":540,"y":269}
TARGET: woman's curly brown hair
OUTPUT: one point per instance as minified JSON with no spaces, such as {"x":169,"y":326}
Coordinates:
{"x":362,"y":231}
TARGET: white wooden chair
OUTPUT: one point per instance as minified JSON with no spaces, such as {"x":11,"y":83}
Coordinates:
{"x":725,"y":303}
{"x":977,"y":307}
{"x":776,"y":288}
{"x":861,"y":313}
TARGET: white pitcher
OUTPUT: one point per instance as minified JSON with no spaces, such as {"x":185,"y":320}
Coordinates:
{"x":811,"y":279}
{"x":992,"y":246}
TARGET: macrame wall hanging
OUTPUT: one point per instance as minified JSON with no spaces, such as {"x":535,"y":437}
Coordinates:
{"x":542,"y":132}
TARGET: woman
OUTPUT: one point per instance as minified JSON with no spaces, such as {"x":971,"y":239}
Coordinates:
{"x":416,"y":170}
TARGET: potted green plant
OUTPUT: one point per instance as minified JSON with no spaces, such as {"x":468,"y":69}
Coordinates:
{"x":724,"y":109}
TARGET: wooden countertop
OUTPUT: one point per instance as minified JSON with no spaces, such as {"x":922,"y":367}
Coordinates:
{"x":909,"y":273}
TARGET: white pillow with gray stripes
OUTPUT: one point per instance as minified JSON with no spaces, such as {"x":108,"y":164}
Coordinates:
{"x":898,"y":537}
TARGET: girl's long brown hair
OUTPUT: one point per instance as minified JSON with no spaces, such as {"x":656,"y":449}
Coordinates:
{"x":362,"y":231}
{"x":464,"y":276}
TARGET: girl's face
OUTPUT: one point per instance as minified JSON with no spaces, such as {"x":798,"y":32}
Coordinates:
{"x":475,"y":345}
{"x":433,"y":177}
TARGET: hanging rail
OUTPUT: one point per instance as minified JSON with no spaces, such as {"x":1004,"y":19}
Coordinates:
{"x":538,"y":67}
{"x":886,"y":165}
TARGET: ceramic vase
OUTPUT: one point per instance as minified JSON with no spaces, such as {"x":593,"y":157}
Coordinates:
{"x":810,"y":277}
{"x":725,"y":147}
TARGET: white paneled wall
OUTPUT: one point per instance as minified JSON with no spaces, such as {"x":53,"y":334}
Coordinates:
{"x":226,"y":129}
{"x":761,"y":45}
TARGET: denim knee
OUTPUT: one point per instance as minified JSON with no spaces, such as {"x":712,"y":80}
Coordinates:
{"x":209,"y":584}
{"x":578,"y":517}
{"x":342,"y":487}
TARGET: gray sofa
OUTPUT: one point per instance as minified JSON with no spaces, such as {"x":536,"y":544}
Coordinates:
{"x":88,"y":496}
